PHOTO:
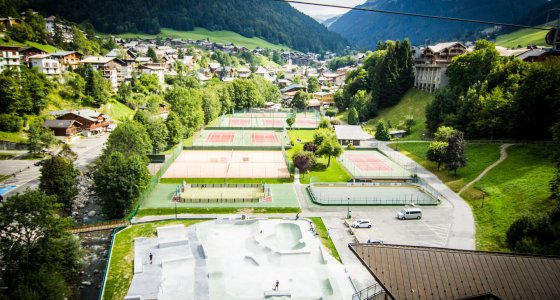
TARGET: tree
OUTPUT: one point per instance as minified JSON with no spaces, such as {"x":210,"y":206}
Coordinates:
{"x":304,"y":161}
{"x":382,"y":131}
{"x":10,"y":122}
{"x":58,"y":178}
{"x":313,"y":85}
{"x":330,"y":113}
{"x":455,"y":155}
{"x":158,"y":133}
{"x":129,"y":138}
{"x":151,"y":53}
{"x":325,"y":123}
{"x":39,"y":255}
{"x":353,"y":118}
{"x":329,"y":147}
{"x":175,"y":129}
{"x":290,"y":121}
{"x":97,"y":89}
{"x":436,"y":152}
{"x":39,"y":138}
{"x":187,"y":103}
{"x":310,"y":147}
{"x":555,"y":181}
{"x":210,"y":104}
{"x":409,"y":122}
{"x":301,"y":100}
{"x":147,"y":84}
{"x":444,"y":133}
{"x":322,"y":134}
{"x":120,"y":179}
{"x":67,"y":153}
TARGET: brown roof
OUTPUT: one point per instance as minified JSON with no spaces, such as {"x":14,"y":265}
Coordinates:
{"x":408,"y":272}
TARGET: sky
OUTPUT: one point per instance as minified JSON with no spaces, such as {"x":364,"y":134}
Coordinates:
{"x":314,"y":11}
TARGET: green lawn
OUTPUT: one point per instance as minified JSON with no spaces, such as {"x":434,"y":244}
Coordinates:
{"x":14,"y":137}
{"x":517,"y":186}
{"x":479,"y":157}
{"x":117,"y":111}
{"x":320,"y":173}
{"x":325,"y":238}
{"x":216,"y":210}
{"x":5,"y":156}
{"x":221,"y":36}
{"x":414,"y":102}
{"x":342,"y":116}
{"x":119,"y":275}
{"x":46,"y":48}
{"x":522,"y":37}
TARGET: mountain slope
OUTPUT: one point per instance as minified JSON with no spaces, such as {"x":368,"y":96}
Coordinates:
{"x":276,"y":22}
{"x":365,"y":28}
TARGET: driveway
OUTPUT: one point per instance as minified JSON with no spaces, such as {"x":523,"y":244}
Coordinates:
{"x":89,"y":149}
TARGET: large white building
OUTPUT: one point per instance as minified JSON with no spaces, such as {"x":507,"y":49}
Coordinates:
{"x":430,"y":64}
{"x":46,"y":64}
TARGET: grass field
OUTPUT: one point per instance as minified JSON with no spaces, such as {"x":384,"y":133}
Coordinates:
{"x":117,"y":111}
{"x":5,"y":156}
{"x":14,"y":137}
{"x":325,"y":238}
{"x":522,"y":37}
{"x":46,"y":48}
{"x":221,"y":36}
{"x":334,"y":173}
{"x":479,"y":157}
{"x":413,"y":103}
{"x":516,"y":187}
{"x":119,"y":275}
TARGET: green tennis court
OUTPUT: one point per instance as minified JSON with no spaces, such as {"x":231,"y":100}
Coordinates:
{"x":371,"y":194}
{"x":372,"y":165}
{"x":281,"y":195}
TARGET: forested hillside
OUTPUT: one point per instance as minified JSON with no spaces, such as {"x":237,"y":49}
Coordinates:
{"x":365,"y":28}
{"x":275,"y":22}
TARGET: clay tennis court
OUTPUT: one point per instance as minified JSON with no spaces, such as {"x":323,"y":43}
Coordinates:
{"x":239,"y":139}
{"x":274,"y":123}
{"x":220,"y":137}
{"x":264,"y":137}
{"x":229,"y":164}
{"x":238,"y":122}
{"x":312,"y":123}
{"x":372,"y":164}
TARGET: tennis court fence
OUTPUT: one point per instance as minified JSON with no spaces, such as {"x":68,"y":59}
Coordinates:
{"x":427,"y":197}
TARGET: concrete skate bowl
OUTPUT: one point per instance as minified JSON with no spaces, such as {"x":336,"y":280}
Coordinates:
{"x":286,"y":237}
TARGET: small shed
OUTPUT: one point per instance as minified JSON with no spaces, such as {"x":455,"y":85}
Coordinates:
{"x":397,"y":134}
{"x":351,"y":134}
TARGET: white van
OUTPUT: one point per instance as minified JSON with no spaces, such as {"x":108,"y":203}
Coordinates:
{"x":410,"y":213}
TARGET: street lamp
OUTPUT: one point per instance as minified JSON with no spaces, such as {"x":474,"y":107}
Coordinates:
{"x":348,"y":208}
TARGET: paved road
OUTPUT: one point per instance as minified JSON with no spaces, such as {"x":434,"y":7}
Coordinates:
{"x":89,"y":149}
{"x":27,"y":177}
{"x":462,"y":231}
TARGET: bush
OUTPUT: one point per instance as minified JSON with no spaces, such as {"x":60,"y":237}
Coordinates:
{"x":350,"y":147}
{"x":10,"y":122}
{"x":335,"y":122}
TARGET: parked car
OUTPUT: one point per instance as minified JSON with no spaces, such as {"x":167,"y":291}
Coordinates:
{"x":362,"y":223}
{"x":375,"y":241}
{"x":410,"y":213}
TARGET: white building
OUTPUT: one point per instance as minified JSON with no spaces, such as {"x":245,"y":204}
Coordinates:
{"x":154,"y":69}
{"x":10,"y":58}
{"x":46,"y":64}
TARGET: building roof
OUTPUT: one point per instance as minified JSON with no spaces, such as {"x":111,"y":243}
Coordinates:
{"x":97,"y":60}
{"x":64,"y":53}
{"x":213,"y":65}
{"x":351,"y":132}
{"x":532,"y":53}
{"x":292,"y":88}
{"x":407,"y":272}
{"x":441,"y":46}
{"x":59,"y":123}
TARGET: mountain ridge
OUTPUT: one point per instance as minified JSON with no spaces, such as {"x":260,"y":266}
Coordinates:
{"x":364,"y":29}
{"x":276,"y":22}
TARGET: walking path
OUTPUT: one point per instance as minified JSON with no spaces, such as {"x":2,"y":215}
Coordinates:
{"x":503,"y":156}
{"x":462,"y":232}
